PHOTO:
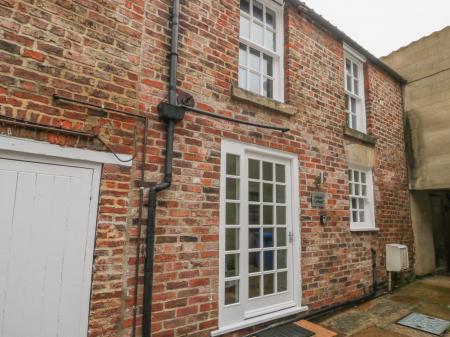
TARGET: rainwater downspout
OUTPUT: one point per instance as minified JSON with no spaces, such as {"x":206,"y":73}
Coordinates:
{"x":171,"y":114}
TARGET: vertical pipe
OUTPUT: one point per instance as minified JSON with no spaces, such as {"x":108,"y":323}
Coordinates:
{"x":148,"y":273}
{"x":174,"y":53}
{"x":152,"y":198}
{"x":169,"y":151}
{"x":374,"y":271}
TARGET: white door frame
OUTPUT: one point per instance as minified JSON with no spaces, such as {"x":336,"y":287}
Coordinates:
{"x":295,"y":216}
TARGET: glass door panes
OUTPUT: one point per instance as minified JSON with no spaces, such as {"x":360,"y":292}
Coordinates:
{"x":267,"y":228}
{"x":232,"y":229}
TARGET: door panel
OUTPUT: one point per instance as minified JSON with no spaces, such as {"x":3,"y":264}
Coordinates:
{"x":46,"y":249}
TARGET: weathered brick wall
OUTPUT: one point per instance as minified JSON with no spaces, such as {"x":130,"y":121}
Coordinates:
{"x":115,"y":52}
{"x":90,"y":51}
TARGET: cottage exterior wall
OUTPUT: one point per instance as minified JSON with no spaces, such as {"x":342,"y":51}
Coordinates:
{"x":115,"y":53}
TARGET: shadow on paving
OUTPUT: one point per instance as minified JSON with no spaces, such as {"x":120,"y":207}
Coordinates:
{"x":376,"y":318}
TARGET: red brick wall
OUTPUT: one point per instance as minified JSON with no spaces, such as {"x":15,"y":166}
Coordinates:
{"x":90,"y":51}
{"x":115,"y":52}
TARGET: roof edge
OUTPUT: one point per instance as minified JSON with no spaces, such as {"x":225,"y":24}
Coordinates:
{"x":320,"y":20}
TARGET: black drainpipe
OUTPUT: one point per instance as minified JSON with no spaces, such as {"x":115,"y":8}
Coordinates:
{"x":171,"y":114}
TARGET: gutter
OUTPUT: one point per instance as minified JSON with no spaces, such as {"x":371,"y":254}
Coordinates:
{"x":340,"y":35}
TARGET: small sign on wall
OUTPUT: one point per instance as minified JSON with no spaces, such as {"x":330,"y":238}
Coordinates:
{"x":318,"y":200}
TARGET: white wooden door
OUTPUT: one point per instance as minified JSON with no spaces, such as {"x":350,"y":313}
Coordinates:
{"x":47,"y":232}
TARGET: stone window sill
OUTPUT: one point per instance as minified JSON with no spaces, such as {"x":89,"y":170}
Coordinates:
{"x":368,"y":229}
{"x":261,"y":101}
{"x":358,"y":135}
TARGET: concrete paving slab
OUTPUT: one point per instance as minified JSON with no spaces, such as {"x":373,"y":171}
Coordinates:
{"x":374,"y":331}
{"x":378,"y":317}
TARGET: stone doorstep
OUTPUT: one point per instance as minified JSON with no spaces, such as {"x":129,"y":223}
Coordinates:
{"x":317,"y":329}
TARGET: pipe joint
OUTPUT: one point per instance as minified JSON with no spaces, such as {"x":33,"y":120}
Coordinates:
{"x":171,"y":112}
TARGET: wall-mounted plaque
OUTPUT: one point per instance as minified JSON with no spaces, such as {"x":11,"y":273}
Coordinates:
{"x":318,"y":200}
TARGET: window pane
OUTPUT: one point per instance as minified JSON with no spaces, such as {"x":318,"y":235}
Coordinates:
{"x":347,"y":103}
{"x":268,"y":88}
{"x":353,"y":105}
{"x":361,"y":216}
{"x":254,"y":264}
{"x":253,"y":169}
{"x":244,"y":27}
{"x":267,"y":65}
{"x":348,"y":66}
{"x":282,"y":281}
{"x":281,"y":259}
{"x":231,"y":265}
{"x":254,"y":286}
{"x":257,"y":10}
{"x":253,"y":191}
{"x":253,"y":238}
{"x":232,"y":189}
{"x":267,"y":171}
{"x":355,"y":216}
{"x":281,"y":194}
{"x":281,"y":215}
{"x":231,"y":239}
{"x":267,"y":192}
{"x":242,"y":54}
{"x":356,"y":187}
{"x":351,"y":188}
{"x":353,"y":122}
{"x":254,"y":60}
{"x":355,"y":70}
{"x":354,"y":203}
{"x":349,"y":83}
{"x":268,"y":260}
{"x":364,"y":190}
{"x":356,"y":87}
{"x":231,"y":292}
{"x":280,"y":173}
{"x":356,"y":176}
{"x":242,"y":78}
{"x":268,"y":215}
{"x":270,"y":18}
{"x":269,"y":42}
{"x":232,"y":164}
{"x":268,"y":238}
{"x":255,"y":83}
{"x":245,"y":6}
{"x":281,"y":237}
{"x":269,"y":281}
{"x":361,"y":203}
{"x":231,"y":214}
{"x":257,"y":33}
{"x":363,"y":177}
{"x":253,"y":215}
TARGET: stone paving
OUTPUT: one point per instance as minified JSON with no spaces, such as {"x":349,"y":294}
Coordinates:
{"x":430,"y":296}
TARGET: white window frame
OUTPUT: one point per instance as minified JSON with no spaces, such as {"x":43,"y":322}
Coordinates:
{"x":277,"y":55}
{"x":369,"y":205}
{"x":357,"y":58}
{"x":271,"y":312}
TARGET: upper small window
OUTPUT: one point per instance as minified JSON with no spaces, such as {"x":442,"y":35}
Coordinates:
{"x":354,"y":92}
{"x":261,"y":48}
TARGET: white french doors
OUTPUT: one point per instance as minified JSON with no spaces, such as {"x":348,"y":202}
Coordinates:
{"x":259,"y":258}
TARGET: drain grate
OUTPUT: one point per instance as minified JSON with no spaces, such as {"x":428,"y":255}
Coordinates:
{"x":433,"y":325}
{"x":289,"y":330}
